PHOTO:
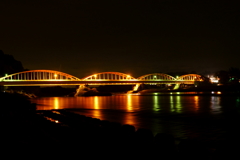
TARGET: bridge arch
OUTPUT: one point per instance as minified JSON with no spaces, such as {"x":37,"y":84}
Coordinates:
{"x":109,"y":76}
{"x":39,"y":75}
{"x":157,"y":77}
{"x":190,"y":77}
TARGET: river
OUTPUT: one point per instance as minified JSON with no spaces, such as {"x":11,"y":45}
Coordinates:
{"x":203,"y":116}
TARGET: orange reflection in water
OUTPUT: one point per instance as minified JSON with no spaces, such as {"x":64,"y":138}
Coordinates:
{"x":96,"y":112}
{"x":96,"y":103}
{"x":196,"y":103}
{"x":56,"y":102}
{"x":97,"y":107}
{"x":129,"y":102}
{"x":132,"y":106}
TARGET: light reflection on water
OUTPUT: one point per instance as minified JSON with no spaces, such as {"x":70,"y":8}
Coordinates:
{"x":175,"y":114}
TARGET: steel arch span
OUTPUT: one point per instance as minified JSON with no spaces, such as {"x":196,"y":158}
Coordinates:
{"x":39,"y":75}
{"x":190,"y":77}
{"x":157,"y":77}
{"x":107,"y":76}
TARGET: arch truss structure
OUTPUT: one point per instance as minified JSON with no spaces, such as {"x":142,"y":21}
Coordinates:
{"x":157,"y":77}
{"x":51,"y":77}
{"x":40,"y":75}
{"x":109,"y":76}
{"x":190,"y":77}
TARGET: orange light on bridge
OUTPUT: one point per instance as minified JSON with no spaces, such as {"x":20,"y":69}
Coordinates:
{"x":128,"y":77}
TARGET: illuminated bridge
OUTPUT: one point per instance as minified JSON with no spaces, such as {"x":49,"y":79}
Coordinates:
{"x":50,"y":77}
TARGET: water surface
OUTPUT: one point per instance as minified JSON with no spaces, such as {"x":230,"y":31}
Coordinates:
{"x":206,"y":117}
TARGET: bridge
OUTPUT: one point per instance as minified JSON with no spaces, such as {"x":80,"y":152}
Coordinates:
{"x":51,"y":77}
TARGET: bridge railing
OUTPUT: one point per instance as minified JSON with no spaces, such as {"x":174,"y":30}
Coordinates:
{"x":39,"y":75}
{"x":111,"y":77}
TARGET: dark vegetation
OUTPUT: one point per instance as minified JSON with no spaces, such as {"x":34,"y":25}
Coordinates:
{"x":9,"y":65}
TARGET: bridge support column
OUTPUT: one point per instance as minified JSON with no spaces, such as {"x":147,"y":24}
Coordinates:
{"x":80,"y":90}
{"x":177,"y":86}
{"x":136,"y":87}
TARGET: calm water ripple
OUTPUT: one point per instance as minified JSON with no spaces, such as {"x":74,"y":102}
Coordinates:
{"x":206,"y":117}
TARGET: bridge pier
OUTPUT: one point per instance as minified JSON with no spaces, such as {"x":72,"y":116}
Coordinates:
{"x":177,"y":86}
{"x":136,"y":87}
{"x":80,"y":90}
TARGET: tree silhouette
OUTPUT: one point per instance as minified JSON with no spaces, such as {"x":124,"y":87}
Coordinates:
{"x":9,"y":65}
{"x":223,"y":76}
{"x":234,"y":75}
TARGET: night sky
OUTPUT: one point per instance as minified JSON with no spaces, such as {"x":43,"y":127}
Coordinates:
{"x":137,"y":37}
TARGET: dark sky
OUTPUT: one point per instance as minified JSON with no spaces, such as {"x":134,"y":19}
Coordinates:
{"x":82,"y":37}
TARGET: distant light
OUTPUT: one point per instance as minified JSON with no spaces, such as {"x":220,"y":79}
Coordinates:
{"x":213,"y":79}
{"x":55,"y":75}
{"x":6,"y":74}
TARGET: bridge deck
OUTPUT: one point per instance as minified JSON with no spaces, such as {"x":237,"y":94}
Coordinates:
{"x":89,"y":82}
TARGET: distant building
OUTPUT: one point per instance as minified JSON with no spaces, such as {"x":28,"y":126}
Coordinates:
{"x":213,"y":79}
